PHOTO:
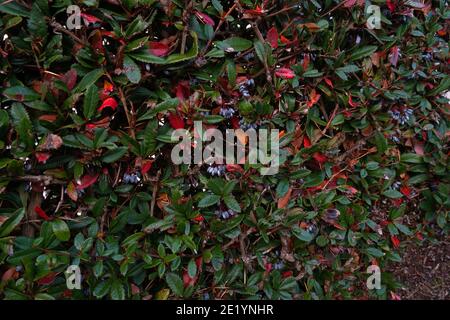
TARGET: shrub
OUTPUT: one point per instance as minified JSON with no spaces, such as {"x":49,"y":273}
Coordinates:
{"x":86,"y":119}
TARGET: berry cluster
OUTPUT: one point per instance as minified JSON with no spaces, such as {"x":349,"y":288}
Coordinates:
{"x":245,"y":86}
{"x":401,"y":116}
{"x":225,"y":214}
{"x":227,"y":112}
{"x":247,"y":125}
{"x":216,"y":170}
{"x":131,"y":178}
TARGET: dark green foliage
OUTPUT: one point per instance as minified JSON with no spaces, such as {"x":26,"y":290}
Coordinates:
{"x":86,"y":119}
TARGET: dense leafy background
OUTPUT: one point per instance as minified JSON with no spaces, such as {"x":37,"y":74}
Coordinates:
{"x":85,"y":124}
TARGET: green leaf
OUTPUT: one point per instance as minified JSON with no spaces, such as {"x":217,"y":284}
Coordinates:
{"x":377,"y":253}
{"x":102,"y":289}
{"x":232,"y":204}
{"x":114,"y":154}
{"x":216,"y":185}
{"x":391,"y":193}
{"x":261,"y":51}
{"x":61,"y":230}
{"x":175,"y":283}
{"x":380,"y":142}
{"x":443,"y":85}
{"x":44,"y":296}
{"x":166,"y":105}
{"x":208,"y":200}
{"x":117,"y":291}
{"x":21,"y":93}
{"x":303,"y":235}
{"x":150,"y":134}
{"x":282,"y":188}
{"x":131,"y":70}
{"x":15,"y":9}
{"x":360,"y":53}
{"x":90,"y":102}
{"x":138,"y":25}
{"x":8,"y":226}
{"x":22,"y":124}
{"x":191,"y":54}
{"x":144,"y":55}
{"x":88,"y":80}
{"x":192,"y":268}
{"x":411,"y":158}
{"x":234,"y":44}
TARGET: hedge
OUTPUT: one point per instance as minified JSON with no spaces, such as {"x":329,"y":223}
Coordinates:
{"x":87,"y":113}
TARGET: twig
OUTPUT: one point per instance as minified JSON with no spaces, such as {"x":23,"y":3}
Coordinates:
{"x":330,"y":119}
{"x":127,"y":113}
{"x":60,"y":28}
{"x":155,"y":190}
{"x":332,"y":9}
{"x":61,"y":200}
{"x":261,"y":38}
{"x":222,"y":20}
{"x":296,"y":6}
{"x":46,"y":180}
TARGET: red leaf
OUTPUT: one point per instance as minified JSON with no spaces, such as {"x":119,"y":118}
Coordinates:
{"x":306,"y":142}
{"x":48,"y":279}
{"x":234,"y":168}
{"x":11,"y":273}
{"x":199,"y":218}
{"x":395,"y":296}
{"x":235,"y":123}
{"x":108,"y":87}
{"x":158,"y":49}
{"x":285,"y":40}
{"x":351,"y":3}
{"x":41,"y":213}
{"x":405,"y":190}
{"x":176,"y":121}
{"x":268,"y":267}
{"x":70,"y":79}
{"x":86,"y":181}
{"x":42,"y":157}
{"x":108,"y":103}
{"x":135,"y":289}
{"x":72,"y":191}
{"x":351,"y":102}
{"x":313,"y":98}
{"x":146,"y":166}
{"x":283,"y":202}
{"x":272,"y":37}
{"x":393,"y":56}
{"x":285,"y":73}
{"x":257,"y":11}
{"x":328,"y":82}
{"x":187,"y":280}
{"x":319,"y":157}
{"x":52,"y":142}
{"x":395,"y":241}
{"x":48,"y":117}
{"x":90,"y":18}
{"x":391,"y":5}
{"x":203,"y":17}
{"x":182,"y":90}
{"x":306,"y":61}
{"x":287,"y":274}
{"x":418,"y":147}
